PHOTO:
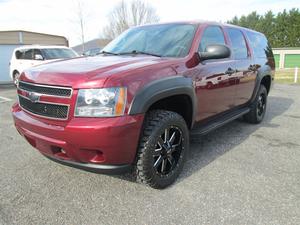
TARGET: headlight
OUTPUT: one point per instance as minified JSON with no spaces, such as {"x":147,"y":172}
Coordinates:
{"x":105,"y":102}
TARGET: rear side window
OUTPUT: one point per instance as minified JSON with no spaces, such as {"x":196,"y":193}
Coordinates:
{"x":259,"y":44}
{"x":212,"y":35}
{"x":239,"y":47}
{"x":19,"y":54}
{"x":24,"y":54}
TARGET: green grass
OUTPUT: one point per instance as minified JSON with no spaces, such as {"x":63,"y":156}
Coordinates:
{"x":286,"y":76}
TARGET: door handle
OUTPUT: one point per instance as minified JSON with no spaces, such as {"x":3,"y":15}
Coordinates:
{"x":230,"y":71}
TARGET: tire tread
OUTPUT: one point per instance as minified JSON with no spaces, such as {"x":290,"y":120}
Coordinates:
{"x":152,"y":121}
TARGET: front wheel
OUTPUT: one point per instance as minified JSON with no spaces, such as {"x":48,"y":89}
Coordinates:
{"x":163,"y":147}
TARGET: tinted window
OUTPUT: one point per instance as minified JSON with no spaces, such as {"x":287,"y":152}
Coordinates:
{"x":19,"y":55}
{"x":58,"y":53}
{"x":28,"y":54}
{"x":212,"y":35}
{"x":37,"y":52}
{"x":259,"y":44}
{"x":239,"y":47}
{"x":169,"y":40}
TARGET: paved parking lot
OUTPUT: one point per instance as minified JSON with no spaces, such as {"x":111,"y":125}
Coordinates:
{"x":238,"y":174}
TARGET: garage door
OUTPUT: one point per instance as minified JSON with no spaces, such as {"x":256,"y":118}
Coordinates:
{"x":277,"y":58}
{"x":292,"y":61}
{"x":5,"y":56}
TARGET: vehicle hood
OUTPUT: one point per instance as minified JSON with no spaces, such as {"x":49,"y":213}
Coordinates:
{"x":87,"y":72}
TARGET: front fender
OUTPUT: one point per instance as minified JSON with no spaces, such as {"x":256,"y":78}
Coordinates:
{"x":160,"y":89}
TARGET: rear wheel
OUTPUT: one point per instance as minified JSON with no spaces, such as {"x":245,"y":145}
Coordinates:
{"x":258,"y":109}
{"x":163,"y":148}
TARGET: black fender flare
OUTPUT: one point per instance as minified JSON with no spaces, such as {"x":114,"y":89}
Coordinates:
{"x":160,"y":89}
{"x":260,"y":76}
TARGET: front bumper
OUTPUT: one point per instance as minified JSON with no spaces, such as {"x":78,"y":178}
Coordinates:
{"x":104,"y":145}
{"x":95,"y":168}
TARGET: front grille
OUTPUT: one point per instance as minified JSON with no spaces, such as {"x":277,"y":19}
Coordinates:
{"x":47,"y":90}
{"x":44,"y":109}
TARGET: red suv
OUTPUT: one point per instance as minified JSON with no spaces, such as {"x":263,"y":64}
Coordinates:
{"x":134,"y":106}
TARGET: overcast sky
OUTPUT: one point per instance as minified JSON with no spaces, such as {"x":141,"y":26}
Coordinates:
{"x":59,"y":16}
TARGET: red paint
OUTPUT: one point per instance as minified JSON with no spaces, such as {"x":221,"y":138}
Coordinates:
{"x":114,"y":140}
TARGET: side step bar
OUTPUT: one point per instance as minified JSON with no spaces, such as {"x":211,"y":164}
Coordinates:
{"x":202,"y":130}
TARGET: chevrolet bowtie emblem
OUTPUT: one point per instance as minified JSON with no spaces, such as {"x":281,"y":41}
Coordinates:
{"x":34,"y":97}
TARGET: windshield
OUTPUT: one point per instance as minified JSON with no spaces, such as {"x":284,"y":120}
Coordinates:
{"x":166,"y":40}
{"x":58,"y":53}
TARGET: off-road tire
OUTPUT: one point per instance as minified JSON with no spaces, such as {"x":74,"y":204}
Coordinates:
{"x":155,"y":124}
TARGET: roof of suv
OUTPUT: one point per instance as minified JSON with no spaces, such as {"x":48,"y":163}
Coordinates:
{"x":202,"y":22}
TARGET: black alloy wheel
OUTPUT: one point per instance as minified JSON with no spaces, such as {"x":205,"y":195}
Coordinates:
{"x":163,"y":148}
{"x":168,"y":150}
{"x":261,"y":105}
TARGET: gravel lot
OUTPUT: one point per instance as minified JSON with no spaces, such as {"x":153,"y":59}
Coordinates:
{"x":238,"y":174}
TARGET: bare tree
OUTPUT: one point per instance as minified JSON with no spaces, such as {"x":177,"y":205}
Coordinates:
{"x":125,"y":15}
{"x":81,"y":20}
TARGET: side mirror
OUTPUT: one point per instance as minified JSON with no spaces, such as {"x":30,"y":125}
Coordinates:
{"x":215,"y":52}
{"x":38,"y":57}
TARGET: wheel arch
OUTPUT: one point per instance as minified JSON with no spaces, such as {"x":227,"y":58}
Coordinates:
{"x":14,"y":72}
{"x":266,"y":81}
{"x":263,"y":77}
{"x":174,"y":93}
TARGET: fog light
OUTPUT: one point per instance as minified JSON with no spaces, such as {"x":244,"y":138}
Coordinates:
{"x":93,"y":155}
{"x":59,"y":152}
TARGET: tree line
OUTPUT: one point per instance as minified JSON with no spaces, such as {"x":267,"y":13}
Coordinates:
{"x":282,"y":29}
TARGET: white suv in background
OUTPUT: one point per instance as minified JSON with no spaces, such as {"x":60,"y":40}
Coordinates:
{"x":28,"y":56}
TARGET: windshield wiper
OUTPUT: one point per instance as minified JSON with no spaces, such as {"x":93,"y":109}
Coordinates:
{"x":108,"y":53}
{"x":135,"y":52}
